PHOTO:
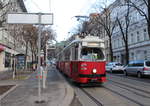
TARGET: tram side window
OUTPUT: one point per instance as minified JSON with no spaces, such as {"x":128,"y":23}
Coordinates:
{"x":67,"y":54}
{"x":60,"y":57}
{"x":75,"y":53}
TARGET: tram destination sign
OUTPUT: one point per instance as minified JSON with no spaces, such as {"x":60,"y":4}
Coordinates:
{"x":30,"y":18}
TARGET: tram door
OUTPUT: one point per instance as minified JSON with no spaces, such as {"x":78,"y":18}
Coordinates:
{"x":74,"y":60}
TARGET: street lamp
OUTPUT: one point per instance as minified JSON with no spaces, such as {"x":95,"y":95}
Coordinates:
{"x":84,"y":22}
{"x":79,"y":17}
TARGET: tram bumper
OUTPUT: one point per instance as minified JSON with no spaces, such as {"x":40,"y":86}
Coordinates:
{"x":86,"y":78}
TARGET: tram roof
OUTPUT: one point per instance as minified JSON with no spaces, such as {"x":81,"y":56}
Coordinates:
{"x":86,"y":39}
{"x":92,"y":39}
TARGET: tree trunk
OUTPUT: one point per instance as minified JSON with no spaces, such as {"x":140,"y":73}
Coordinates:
{"x":127,"y":52}
{"x":111,"y":51}
{"x":149,"y":18}
{"x":25,"y":64}
{"x":45,"y":56}
{"x":32,"y":57}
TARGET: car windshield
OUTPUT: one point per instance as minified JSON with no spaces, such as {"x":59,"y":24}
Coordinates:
{"x":147,"y":63}
{"x":118,"y":64}
{"x":91,"y":54}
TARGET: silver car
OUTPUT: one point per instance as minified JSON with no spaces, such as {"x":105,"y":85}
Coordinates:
{"x":138,"y":67}
{"x":114,"y":67}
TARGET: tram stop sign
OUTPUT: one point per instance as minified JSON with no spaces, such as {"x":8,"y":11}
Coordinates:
{"x":33,"y":18}
{"x":30,"y":18}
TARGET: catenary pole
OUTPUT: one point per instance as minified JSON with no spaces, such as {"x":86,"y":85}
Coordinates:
{"x":39,"y":59}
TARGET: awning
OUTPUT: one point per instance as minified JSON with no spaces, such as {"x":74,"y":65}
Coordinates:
{"x":2,"y":47}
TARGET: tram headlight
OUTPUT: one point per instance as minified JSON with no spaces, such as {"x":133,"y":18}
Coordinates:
{"x":94,"y":71}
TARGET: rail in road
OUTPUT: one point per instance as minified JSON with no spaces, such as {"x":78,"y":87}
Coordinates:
{"x":133,"y":90}
{"x":92,"y":97}
{"x":117,"y":91}
{"x":125,"y":92}
{"x":144,"y":80}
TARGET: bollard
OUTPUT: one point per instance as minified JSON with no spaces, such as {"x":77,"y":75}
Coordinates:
{"x":44,"y":77}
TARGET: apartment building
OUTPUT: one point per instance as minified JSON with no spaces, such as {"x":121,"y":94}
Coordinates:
{"x":138,"y":39}
{"x":7,"y":51}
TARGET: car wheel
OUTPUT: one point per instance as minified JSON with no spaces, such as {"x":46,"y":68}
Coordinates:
{"x":139,"y":75}
{"x":125,"y":73}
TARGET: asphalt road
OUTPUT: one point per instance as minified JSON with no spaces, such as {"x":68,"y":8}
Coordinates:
{"x":119,"y":90}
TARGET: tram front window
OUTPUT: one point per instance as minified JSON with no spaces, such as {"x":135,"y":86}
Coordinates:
{"x":92,"y":54}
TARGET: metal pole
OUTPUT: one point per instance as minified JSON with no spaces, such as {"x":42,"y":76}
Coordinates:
{"x":39,"y":59}
{"x":45,"y":69}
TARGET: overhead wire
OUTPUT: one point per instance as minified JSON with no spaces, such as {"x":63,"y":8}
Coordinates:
{"x":50,"y":6}
{"x":37,"y":6}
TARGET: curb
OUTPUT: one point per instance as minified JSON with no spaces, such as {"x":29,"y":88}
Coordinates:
{"x":13,"y":88}
{"x":69,"y":93}
{"x":68,"y":97}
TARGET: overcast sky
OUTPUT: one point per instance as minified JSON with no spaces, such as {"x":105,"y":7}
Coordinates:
{"x":64,"y":12}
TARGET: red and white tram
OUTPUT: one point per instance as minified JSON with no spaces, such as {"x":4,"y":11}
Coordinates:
{"x":83,"y":60}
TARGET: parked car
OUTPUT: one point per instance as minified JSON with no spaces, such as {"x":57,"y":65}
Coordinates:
{"x":138,"y":67}
{"x":114,"y":67}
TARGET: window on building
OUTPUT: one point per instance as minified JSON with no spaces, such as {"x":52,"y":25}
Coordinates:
{"x":145,"y":34}
{"x":132,"y":38}
{"x":107,"y":43}
{"x":122,"y":41}
{"x":145,"y":55}
{"x":138,"y":16}
{"x":7,"y":59}
{"x":113,"y":43}
{"x":132,"y":56}
{"x":118,"y":43}
{"x":138,"y":36}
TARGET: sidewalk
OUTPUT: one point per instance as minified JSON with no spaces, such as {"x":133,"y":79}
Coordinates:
{"x":56,"y":93}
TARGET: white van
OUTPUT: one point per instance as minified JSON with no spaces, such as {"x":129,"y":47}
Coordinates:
{"x":114,"y":67}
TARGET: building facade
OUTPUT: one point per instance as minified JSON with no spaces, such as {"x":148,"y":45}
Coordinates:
{"x":7,"y":51}
{"x":138,"y":39}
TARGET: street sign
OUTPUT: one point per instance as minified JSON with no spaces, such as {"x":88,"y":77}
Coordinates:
{"x":33,"y":18}
{"x":30,"y":18}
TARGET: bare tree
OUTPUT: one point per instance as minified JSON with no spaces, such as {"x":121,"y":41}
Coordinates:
{"x":124,"y":28}
{"x":140,"y":6}
{"x":103,"y":24}
{"x":4,"y":8}
{"x":29,"y":33}
{"x":47,"y":35}
{"x":33,"y":39}
{"x":15,"y":31}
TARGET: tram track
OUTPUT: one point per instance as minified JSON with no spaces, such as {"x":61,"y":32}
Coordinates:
{"x":86,"y":93}
{"x":99,"y":103}
{"x":113,"y":91}
{"x":91,"y":97}
{"x":144,"y":94}
{"x":132,"y":78}
{"x":127,"y":87}
{"x":126,"y":97}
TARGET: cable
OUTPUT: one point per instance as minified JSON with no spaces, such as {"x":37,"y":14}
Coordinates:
{"x":36,"y":5}
{"x":50,"y":6}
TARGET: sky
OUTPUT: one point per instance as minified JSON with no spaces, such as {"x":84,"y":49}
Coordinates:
{"x":64,"y":13}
